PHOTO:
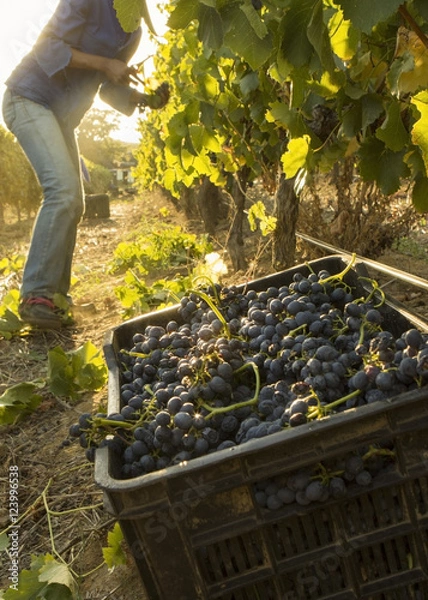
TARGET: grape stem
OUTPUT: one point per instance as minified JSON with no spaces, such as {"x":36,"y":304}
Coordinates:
{"x":375,"y":288}
{"x":214,"y":308}
{"x":324,"y":475}
{"x":51,"y":535}
{"x":320,"y":411}
{"x":223,"y":409}
{"x":100,"y":422}
{"x":342,"y":274}
{"x":373,"y":451}
{"x":211,"y":284}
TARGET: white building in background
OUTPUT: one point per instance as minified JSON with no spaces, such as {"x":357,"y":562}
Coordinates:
{"x":123,"y":172}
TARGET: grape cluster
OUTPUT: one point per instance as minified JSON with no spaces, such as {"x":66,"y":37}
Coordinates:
{"x":326,"y":480}
{"x":239,"y":364}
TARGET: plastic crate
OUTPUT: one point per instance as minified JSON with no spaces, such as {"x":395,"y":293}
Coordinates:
{"x":196,"y":531}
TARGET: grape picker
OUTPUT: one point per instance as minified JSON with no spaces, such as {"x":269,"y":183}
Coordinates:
{"x":82,"y":50}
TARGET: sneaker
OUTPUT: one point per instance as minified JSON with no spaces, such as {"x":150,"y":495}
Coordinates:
{"x":40,"y":312}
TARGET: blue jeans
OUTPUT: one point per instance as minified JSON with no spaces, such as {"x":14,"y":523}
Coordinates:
{"x":54,"y":155}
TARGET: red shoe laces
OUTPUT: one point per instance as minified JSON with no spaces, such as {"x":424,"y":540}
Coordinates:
{"x":41,"y":300}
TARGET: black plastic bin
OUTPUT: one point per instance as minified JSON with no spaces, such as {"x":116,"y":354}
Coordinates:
{"x":197,"y":532}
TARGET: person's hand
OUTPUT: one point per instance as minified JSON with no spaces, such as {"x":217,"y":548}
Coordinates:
{"x":119,"y":72}
{"x":156,"y":99}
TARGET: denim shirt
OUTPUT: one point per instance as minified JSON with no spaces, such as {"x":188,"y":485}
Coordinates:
{"x":44,"y":76}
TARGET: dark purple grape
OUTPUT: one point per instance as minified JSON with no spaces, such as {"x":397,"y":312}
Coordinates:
{"x":163,"y":433}
{"x":413,"y":338}
{"x":374,"y":395}
{"x":147,"y":463}
{"x":85,"y":420}
{"x":140,"y":433}
{"x":174,"y":405}
{"x":74,"y":430}
{"x":127,"y":412}
{"x":337,"y":487}
{"x":177,"y":437}
{"x":219,"y":385}
{"x":273,"y":502}
{"x":211,"y":435}
{"x":385,"y":380}
{"x":139,"y":448}
{"x":422,"y":366}
{"x":90,"y":454}
{"x":326,"y":353}
{"x":229,"y":424}
{"x":163,"y":418}
{"x":286,"y":495}
{"x":183,"y":420}
{"x":201,"y":447}
{"x":302,"y":499}
{"x":353,"y":309}
{"x":128,"y":455}
{"x":407,"y":369}
{"x":299,"y":481}
{"x":374,"y":316}
{"x":188,"y":441}
{"x":354,"y":465}
{"x":314,"y":491}
{"x":297,"y":419}
{"x":188,"y":407}
{"x":359,"y":381}
{"x":225,"y":445}
{"x":372,"y":371}
{"x":363,"y":478}
{"x":299,"y":407}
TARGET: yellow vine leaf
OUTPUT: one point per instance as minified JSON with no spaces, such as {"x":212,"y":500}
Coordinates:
{"x":408,"y":42}
{"x":419,"y":131}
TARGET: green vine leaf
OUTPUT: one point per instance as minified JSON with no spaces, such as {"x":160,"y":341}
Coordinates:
{"x":54,"y":571}
{"x":47,"y":578}
{"x":113,"y":553}
{"x":287,"y":118}
{"x":4,"y":541}
{"x":183,"y":14}
{"x":255,"y":21}
{"x":422,"y":8}
{"x":242,"y":39}
{"x":71,"y":373}
{"x":365,"y":14}
{"x":210,"y":27}
{"x":319,"y":37}
{"x":10,"y":323}
{"x":295,"y":46}
{"x":17,"y":402}
{"x":259,"y":86}
{"x":130,"y":13}
{"x":392,"y":131}
{"x":378,"y":163}
{"x":420,"y":195}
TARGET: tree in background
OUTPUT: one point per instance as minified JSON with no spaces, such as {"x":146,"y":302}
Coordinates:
{"x":20,"y":189}
{"x":95,"y":141}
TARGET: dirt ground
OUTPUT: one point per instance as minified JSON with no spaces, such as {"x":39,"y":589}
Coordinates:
{"x":54,"y":472}
{"x":38,"y":444}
